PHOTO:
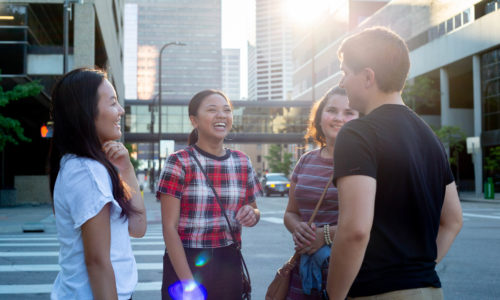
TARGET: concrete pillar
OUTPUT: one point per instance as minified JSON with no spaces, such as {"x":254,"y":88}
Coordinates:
{"x":445,"y":96}
{"x":84,"y":34}
{"x":477,"y":156}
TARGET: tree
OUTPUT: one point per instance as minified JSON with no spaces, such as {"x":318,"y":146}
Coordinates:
{"x":11,"y":130}
{"x":279,"y":161}
{"x":419,"y":93}
{"x":452,"y":137}
{"x":492,"y":160}
{"x":132,"y":152}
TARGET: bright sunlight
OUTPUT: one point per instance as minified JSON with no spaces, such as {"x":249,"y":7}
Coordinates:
{"x":305,"y":13}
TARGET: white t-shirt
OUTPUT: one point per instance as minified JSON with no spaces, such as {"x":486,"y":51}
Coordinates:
{"x":82,"y":188}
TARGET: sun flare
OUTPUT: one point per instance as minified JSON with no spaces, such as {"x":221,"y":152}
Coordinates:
{"x":306,"y":12}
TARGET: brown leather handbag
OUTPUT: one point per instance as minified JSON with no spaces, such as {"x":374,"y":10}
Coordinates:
{"x":278,"y":288}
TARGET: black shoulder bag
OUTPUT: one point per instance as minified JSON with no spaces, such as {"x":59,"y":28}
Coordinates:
{"x":247,"y":287}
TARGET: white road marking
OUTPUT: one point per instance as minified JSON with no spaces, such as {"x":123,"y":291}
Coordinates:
{"x":46,"y":288}
{"x":481,"y":216}
{"x":56,"y":253}
{"x":56,"y":267}
{"x":134,"y":242}
{"x":272,"y":220}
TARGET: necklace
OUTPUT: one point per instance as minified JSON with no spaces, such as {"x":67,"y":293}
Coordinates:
{"x":325,"y":153}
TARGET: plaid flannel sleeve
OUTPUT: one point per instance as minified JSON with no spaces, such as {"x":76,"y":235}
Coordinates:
{"x":172,"y":178}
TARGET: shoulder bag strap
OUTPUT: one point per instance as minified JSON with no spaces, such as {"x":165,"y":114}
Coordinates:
{"x":311,"y":219}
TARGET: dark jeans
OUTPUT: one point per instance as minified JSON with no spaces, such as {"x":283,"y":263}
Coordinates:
{"x":217,"y":269}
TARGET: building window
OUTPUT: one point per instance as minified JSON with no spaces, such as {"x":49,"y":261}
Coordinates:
{"x":490,"y":67}
{"x":458,"y":20}
{"x":466,"y":16}
{"x":449,"y":25}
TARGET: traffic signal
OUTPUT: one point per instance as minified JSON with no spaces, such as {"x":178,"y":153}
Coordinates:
{"x":46,"y":130}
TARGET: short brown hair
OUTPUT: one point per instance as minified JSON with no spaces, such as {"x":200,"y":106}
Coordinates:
{"x":314,"y":130}
{"x":383,"y":51}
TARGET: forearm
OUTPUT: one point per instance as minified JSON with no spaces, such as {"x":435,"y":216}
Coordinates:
{"x":138,"y":221}
{"x":291,"y":221}
{"x":176,"y":253}
{"x":446,"y":236}
{"x":345,"y":261}
{"x":102,"y":280}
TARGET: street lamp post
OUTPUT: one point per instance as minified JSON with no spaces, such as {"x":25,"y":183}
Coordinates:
{"x":66,"y":13}
{"x":176,"y":43}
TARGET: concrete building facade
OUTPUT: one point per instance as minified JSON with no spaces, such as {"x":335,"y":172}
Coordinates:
{"x":31,"y":47}
{"x":456,"y":45}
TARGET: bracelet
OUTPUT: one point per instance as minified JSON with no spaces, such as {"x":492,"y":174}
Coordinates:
{"x":326,"y":232}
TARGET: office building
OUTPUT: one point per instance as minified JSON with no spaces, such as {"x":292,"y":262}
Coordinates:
{"x":31,"y":47}
{"x":454,"y":44}
{"x":231,"y":73}
{"x":273,"y":51}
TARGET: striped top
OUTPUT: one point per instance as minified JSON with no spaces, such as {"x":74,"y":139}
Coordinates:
{"x":310,"y":176}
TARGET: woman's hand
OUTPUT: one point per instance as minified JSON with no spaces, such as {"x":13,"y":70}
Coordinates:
{"x":304,"y":237}
{"x":247,"y":216}
{"x":118,"y":155}
{"x":317,"y":243}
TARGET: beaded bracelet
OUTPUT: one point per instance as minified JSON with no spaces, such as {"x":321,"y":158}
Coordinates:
{"x":326,"y":231}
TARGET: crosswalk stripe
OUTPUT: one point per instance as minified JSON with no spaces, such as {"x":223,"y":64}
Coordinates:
{"x":46,"y":288}
{"x":147,"y":237}
{"x":272,"y":220}
{"x":134,"y":242}
{"x":56,"y":253}
{"x":56,"y":267}
{"x":481,"y":216}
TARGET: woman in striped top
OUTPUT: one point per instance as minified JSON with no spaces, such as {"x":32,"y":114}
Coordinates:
{"x":309,"y":178}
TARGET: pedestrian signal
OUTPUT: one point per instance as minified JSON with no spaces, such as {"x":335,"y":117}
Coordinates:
{"x":46,"y":130}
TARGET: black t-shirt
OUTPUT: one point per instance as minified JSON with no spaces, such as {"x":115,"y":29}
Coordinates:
{"x":394,"y":146}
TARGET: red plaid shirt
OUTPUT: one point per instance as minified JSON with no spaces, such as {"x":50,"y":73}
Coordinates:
{"x":201,"y":221}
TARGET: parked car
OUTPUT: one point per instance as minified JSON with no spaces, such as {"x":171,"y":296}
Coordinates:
{"x":275,"y":183}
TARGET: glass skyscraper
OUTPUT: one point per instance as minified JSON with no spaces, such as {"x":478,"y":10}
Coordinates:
{"x":185,"y":70}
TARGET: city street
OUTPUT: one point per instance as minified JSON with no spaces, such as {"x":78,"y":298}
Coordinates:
{"x":28,"y":262}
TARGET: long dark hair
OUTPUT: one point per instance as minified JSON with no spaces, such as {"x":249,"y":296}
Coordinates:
{"x":74,"y":109}
{"x":314,"y":130}
{"x":194,"y":105}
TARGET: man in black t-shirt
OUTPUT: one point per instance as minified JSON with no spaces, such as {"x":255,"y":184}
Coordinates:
{"x":399,"y":207}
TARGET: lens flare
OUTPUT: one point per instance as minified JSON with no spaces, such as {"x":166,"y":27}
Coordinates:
{"x":202,"y":259}
{"x":187,"y":290}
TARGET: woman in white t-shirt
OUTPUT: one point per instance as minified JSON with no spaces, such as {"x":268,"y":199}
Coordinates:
{"x":97,"y":201}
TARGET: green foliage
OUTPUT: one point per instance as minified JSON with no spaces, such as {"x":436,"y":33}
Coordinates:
{"x":279,"y":161}
{"x":10,"y":129}
{"x":453,"y":137}
{"x":492,"y":160}
{"x":131,"y":149}
{"x":419,"y":93}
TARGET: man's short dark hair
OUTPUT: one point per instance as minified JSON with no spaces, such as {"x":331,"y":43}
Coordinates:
{"x":381,"y":50}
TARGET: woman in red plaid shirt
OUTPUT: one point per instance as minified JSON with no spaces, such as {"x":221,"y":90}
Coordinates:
{"x":201,"y":259}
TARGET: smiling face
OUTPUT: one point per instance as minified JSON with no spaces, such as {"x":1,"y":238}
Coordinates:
{"x":109,"y":112}
{"x":335,"y":114}
{"x":214,"y":118}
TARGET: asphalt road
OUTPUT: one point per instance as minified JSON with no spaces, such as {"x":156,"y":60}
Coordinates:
{"x":471,"y":270}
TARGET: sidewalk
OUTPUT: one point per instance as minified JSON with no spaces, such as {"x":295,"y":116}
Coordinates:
{"x":39,"y":218}
{"x":473,"y":197}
